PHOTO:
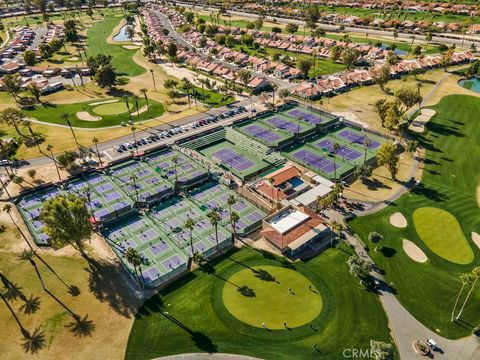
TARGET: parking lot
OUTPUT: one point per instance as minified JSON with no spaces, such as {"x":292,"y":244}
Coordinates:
{"x":169,"y":136}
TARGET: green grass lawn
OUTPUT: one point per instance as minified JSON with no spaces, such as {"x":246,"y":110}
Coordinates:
{"x":450,"y":178}
{"x":267,"y":288}
{"x":189,"y":316}
{"x":212,"y":98}
{"x":97,"y":44}
{"x":113,"y":108}
{"x":442,"y":233}
{"x":52,"y":113}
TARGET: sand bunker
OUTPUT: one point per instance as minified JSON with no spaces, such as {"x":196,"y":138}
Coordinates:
{"x":413,"y":251}
{"x":84,"y":115}
{"x":131,"y":47}
{"x":398,"y":220}
{"x":73,"y":58}
{"x":103,"y":102}
{"x":476,"y":238}
{"x":418,"y":125}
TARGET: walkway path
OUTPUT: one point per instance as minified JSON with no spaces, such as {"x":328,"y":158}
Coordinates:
{"x":205,"y":356}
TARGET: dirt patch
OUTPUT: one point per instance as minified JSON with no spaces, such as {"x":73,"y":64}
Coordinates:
{"x":476,"y":239}
{"x":131,"y":47}
{"x":413,"y":251}
{"x":398,"y":220}
{"x":380,"y":187}
{"x":418,"y":125}
{"x":86,"y":116}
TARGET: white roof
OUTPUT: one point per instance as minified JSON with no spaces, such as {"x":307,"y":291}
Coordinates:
{"x":287,"y":220}
{"x":311,"y":195}
{"x":321,"y":180}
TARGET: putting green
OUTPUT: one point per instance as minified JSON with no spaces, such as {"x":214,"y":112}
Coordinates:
{"x":260,"y":295}
{"x":112,"y":108}
{"x":442,"y":233}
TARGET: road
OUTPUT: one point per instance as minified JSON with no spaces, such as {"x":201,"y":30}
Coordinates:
{"x":179,"y":39}
{"x":106,"y":147}
{"x":375,"y":32}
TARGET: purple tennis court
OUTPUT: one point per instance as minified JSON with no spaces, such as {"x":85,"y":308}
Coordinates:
{"x":312,"y":119}
{"x":344,"y":152}
{"x":233,"y":159}
{"x":261,"y":133}
{"x":284,"y":124}
{"x":316,"y":161}
{"x":357,"y":138}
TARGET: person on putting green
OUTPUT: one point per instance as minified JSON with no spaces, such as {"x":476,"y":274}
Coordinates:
{"x":263,"y":325}
{"x":290,"y":290}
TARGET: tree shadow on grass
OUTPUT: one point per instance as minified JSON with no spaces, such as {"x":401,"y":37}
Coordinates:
{"x":429,"y":193}
{"x":388,"y":252}
{"x":246,"y":291}
{"x":444,"y":130}
{"x":156,"y":305}
{"x":108,"y":282}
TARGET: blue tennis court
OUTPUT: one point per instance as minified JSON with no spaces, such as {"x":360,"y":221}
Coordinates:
{"x":262,"y":133}
{"x":284,"y":124}
{"x":344,"y":151}
{"x":309,"y":118}
{"x":316,"y":161}
{"x":357,"y":138}
{"x":233,"y":159}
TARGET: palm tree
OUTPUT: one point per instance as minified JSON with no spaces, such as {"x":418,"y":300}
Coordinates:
{"x":134,"y":178}
{"x":143,"y":91}
{"x":465,"y":279}
{"x":475,"y":275}
{"x":175,"y":164}
{"x":34,"y":341}
{"x":133,"y":258}
{"x":66,"y":117}
{"x":135,"y":99}
{"x":367,"y":144}
{"x":133,"y":128}
{"x":50,"y":149}
{"x":232,"y":200}
{"x":4,"y":186}
{"x":336,"y":147}
{"x":127,"y":104}
{"x":28,"y":124}
{"x":214,"y":218}
{"x":190,"y":224}
{"x":153,"y":79}
{"x":335,"y":227}
{"x":234,"y":217}
{"x":95,"y":141}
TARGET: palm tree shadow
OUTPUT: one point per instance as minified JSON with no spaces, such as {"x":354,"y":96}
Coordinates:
{"x":246,"y":291}
{"x":81,"y":327}
{"x":33,"y":342}
{"x":108,"y":282}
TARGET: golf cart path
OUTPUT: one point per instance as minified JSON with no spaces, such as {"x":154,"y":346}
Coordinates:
{"x":406,"y":328}
{"x":206,"y":356}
